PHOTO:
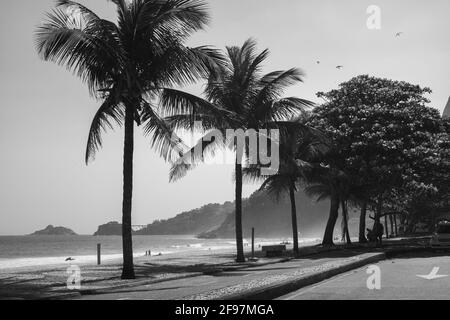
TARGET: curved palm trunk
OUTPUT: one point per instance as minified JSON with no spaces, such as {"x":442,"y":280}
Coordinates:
{"x":294,"y":217}
{"x":362,"y":223}
{"x":332,"y":218}
{"x":345,"y":220}
{"x":127,"y":240}
{"x":238,"y":215}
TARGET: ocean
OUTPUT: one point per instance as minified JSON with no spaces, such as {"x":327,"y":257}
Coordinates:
{"x":28,"y":251}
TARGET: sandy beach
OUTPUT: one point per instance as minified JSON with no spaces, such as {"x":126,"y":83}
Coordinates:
{"x":51,"y":280}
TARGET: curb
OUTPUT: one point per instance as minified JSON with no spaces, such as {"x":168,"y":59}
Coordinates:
{"x":273,"y":291}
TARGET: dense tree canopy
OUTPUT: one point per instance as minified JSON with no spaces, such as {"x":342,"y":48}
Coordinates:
{"x":385,"y":137}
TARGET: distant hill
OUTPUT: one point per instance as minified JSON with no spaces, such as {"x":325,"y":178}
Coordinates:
{"x":261,"y":211}
{"x":273,"y":219}
{"x":51,"y":230}
{"x":109,"y":229}
{"x":190,"y":222}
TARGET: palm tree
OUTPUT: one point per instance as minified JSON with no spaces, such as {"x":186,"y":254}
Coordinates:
{"x":300,"y":146}
{"x":126,"y":66}
{"x":248,"y":100}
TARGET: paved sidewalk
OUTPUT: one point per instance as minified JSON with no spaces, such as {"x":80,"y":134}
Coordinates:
{"x":51,"y":282}
{"x":241,"y":283}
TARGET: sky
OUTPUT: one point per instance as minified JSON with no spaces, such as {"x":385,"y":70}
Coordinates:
{"x":45,"y":111}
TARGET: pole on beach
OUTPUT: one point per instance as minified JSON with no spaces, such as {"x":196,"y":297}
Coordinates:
{"x":99,"y":250}
{"x":253,"y":242}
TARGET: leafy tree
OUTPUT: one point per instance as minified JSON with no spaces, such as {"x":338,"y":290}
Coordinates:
{"x":374,"y":124}
{"x":426,"y":190}
{"x":248,"y":100}
{"x":126,"y":66}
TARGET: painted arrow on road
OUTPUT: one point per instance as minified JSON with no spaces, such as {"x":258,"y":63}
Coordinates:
{"x":433,"y":274}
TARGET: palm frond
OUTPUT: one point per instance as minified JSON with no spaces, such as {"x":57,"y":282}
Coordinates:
{"x":179,"y":65}
{"x":205,"y":147}
{"x":88,"y":50}
{"x":110,"y":112}
{"x":187,"y":122}
{"x":178,"y":102}
{"x":320,"y":192}
{"x":288,"y":108}
{"x":272,"y":86}
{"x":177,"y":17}
{"x":276,"y":185}
{"x":163,"y":138}
{"x":279,"y":80}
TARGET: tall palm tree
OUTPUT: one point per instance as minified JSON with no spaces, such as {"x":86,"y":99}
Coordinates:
{"x":248,"y":100}
{"x":126,"y":66}
{"x":300,"y":146}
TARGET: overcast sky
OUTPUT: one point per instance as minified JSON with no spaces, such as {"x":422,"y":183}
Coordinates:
{"x":45,"y":112}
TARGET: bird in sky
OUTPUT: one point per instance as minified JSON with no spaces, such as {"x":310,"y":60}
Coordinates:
{"x":339,"y":67}
{"x":70,"y":259}
{"x":398,"y":34}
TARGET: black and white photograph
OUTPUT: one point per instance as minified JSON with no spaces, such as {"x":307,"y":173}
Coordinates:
{"x":229,"y":157}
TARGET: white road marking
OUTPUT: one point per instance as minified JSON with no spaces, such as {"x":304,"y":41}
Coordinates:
{"x":433,"y":274}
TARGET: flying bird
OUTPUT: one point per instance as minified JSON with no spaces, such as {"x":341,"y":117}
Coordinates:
{"x":70,"y":259}
{"x":398,"y":34}
{"x":339,"y":67}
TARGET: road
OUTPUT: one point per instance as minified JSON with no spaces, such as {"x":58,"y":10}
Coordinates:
{"x":399,"y":280}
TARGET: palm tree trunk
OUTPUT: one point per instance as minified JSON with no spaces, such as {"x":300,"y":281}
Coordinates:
{"x":395,"y":225}
{"x":127,"y":240}
{"x":386,"y":227}
{"x":334,"y":212}
{"x":345,"y":219}
{"x":294,"y":217}
{"x":362,"y":223}
{"x":238,"y":215}
{"x":391,"y":222}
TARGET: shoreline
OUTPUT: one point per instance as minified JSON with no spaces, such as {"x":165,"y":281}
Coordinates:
{"x":182,"y":252}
